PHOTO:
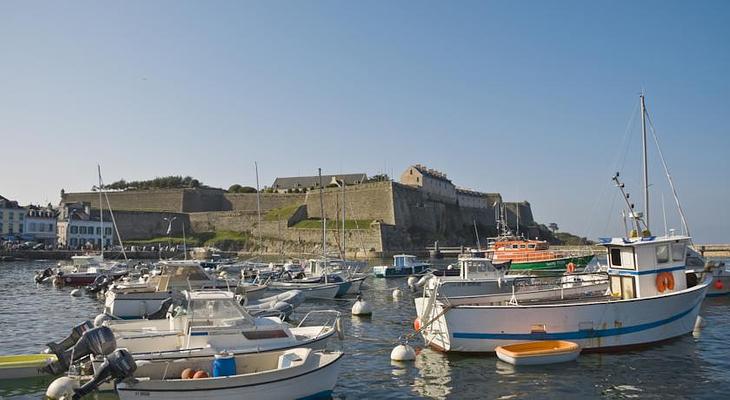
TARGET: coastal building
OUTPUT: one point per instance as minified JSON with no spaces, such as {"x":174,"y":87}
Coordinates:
{"x":77,"y":227}
{"x":302,"y":183}
{"x":40,"y":224}
{"x":12,"y":219}
{"x":432,"y":182}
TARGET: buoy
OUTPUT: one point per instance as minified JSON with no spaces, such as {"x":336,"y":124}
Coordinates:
{"x":361,"y":307}
{"x":718,"y":285}
{"x":187,"y":373}
{"x":100,"y":319}
{"x":403,"y":352}
{"x":200,"y":374}
{"x":62,"y":388}
{"x":412,"y":282}
{"x":76,"y":293}
{"x":396,"y":293}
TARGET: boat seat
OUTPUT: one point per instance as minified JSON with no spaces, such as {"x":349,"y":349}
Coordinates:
{"x":287,"y":360}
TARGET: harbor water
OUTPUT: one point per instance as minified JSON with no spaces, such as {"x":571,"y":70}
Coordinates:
{"x":691,"y":367}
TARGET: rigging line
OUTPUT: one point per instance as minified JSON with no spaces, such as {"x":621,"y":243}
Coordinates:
{"x":625,"y":142}
{"x":669,"y":176}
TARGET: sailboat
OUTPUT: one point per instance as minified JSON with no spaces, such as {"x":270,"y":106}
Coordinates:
{"x":652,"y":297}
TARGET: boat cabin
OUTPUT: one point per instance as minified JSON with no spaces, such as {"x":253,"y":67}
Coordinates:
{"x":401,"y":261}
{"x":646,"y":266}
{"x":88,"y":260}
{"x":478,"y":268}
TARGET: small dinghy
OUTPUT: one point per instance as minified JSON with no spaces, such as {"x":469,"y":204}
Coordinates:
{"x":538,"y":353}
{"x":24,"y":365}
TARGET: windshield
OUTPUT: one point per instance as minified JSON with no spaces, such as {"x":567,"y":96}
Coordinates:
{"x":218,"y":312}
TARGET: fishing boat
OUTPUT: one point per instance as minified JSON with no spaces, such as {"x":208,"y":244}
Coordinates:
{"x":86,"y":269}
{"x":653,"y":297}
{"x":209,"y":321}
{"x":299,"y":373}
{"x":538,"y":353}
{"x":403,"y":265}
{"x":24,"y":365}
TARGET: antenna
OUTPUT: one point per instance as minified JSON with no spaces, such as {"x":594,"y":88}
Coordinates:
{"x":646,"y":167}
{"x":633,"y":214}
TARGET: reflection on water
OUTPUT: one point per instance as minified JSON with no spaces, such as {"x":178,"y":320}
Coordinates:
{"x":687,"y":367}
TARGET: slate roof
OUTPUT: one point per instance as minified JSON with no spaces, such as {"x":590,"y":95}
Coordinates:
{"x":313,"y":181}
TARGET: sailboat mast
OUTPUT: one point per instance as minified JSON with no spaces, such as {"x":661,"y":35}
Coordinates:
{"x":101,"y":213}
{"x":646,"y":167}
{"x":324,"y":220}
{"x":344,"y":249}
{"x":258,"y":204}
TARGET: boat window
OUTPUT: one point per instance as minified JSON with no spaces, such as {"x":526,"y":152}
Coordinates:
{"x":616,"y":257}
{"x":531,"y":246}
{"x":616,"y":286}
{"x":627,"y":287}
{"x":522,"y":246}
{"x":678,"y":252}
{"x":218,"y":312}
{"x":514,"y":246}
{"x":662,"y":254}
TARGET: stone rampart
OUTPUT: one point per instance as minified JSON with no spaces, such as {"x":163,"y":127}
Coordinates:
{"x":269,"y":201}
{"x":135,"y":200}
{"x":366,"y":201}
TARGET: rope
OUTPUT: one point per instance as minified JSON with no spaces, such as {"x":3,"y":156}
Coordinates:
{"x":406,"y":337}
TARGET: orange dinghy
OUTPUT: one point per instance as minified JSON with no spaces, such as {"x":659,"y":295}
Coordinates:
{"x":538,"y":353}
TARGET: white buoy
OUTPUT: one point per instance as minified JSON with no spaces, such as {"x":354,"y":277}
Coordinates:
{"x":77,"y":293}
{"x":412,"y":281}
{"x":450,"y":267}
{"x":361,"y":307}
{"x":403,"y":352}
{"x":397,"y":293}
{"x":62,"y":388}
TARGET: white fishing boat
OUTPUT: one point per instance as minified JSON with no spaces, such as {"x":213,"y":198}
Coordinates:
{"x":210,"y":321}
{"x":299,"y":373}
{"x":653,"y":297}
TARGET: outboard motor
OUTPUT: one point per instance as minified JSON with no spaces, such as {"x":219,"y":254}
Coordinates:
{"x":42,"y":276}
{"x":161,"y":313}
{"x":100,"y":283}
{"x":97,"y":341}
{"x":65,"y":344}
{"x":117,"y":365}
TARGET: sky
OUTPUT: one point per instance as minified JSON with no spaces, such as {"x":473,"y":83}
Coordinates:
{"x":535,"y":100}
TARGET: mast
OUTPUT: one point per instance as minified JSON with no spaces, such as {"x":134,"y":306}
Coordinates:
{"x":646,"y":168}
{"x":258,"y":204}
{"x":101,"y":213}
{"x":324,"y":220}
{"x":344,"y":249}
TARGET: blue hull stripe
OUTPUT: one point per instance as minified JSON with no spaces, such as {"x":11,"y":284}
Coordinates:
{"x":617,"y":271}
{"x":581,"y":334}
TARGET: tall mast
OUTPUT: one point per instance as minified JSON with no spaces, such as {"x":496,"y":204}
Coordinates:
{"x":324,"y":220}
{"x":101,"y":213}
{"x":646,"y":168}
{"x":344,"y":249}
{"x":258,"y":204}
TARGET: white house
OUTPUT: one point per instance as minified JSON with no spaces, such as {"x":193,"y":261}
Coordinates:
{"x":77,"y":227}
{"x":40,"y":224}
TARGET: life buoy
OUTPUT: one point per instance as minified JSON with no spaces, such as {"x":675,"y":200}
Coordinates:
{"x":664,"y":281}
{"x":570,"y":267}
{"x":417,"y":324}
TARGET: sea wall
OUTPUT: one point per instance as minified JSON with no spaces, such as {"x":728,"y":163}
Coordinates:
{"x":372,"y":201}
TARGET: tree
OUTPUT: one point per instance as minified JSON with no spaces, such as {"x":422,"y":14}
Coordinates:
{"x":553,"y":227}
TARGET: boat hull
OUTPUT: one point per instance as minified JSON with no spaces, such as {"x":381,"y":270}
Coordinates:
{"x":592,"y":325}
{"x":394,"y":272}
{"x":311,"y":384}
{"x":539,"y":353}
{"x":556,"y":263}
{"x":311,"y":291}
{"x":24,"y":366}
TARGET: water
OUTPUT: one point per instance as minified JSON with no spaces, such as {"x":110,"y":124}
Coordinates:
{"x":688,"y":367}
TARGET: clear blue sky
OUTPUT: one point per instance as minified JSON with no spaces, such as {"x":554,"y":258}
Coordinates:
{"x":530,"y":98}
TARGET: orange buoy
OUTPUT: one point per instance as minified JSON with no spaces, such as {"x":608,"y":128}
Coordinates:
{"x":417,"y":324}
{"x":200,"y":374}
{"x":719,"y":285}
{"x":187,"y":373}
{"x":571,"y":267}
{"x":661,"y":282}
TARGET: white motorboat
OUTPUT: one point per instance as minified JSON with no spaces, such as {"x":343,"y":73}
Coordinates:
{"x":317,"y":291}
{"x":291,"y":374}
{"x":131,"y":300}
{"x":85,"y":269}
{"x":403,"y":265}
{"x":210,"y":321}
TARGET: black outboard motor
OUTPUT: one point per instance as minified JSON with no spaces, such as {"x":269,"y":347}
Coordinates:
{"x":161,"y":313}
{"x":41,"y":276}
{"x":96,"y":341}
{"x":101,"y":282}
{"x":117,"y":365}
{"x":65,"y":344}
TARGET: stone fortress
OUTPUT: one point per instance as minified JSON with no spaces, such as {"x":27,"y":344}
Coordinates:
{"x":381,"y":216}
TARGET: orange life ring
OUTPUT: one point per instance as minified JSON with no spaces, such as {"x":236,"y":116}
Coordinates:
{"x":417,"y":324}
{"x":664,"y":281}
{"x":570,"y":267}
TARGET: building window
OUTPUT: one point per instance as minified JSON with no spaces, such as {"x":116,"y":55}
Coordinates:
{"x":98,"y":230}
{"x":21,"y":216}
{"x":74,"y":229}
{"x":33,"y":227}
{"x":74,"y":242}
{"x":50,"y":227}
{"x":10,"y":216}
{"x":107,"y":231}
{"x":20,"y":228}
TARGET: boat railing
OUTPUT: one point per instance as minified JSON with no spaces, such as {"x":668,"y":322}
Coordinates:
{"x":559,"y":280}
{"x":332,"y":321}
